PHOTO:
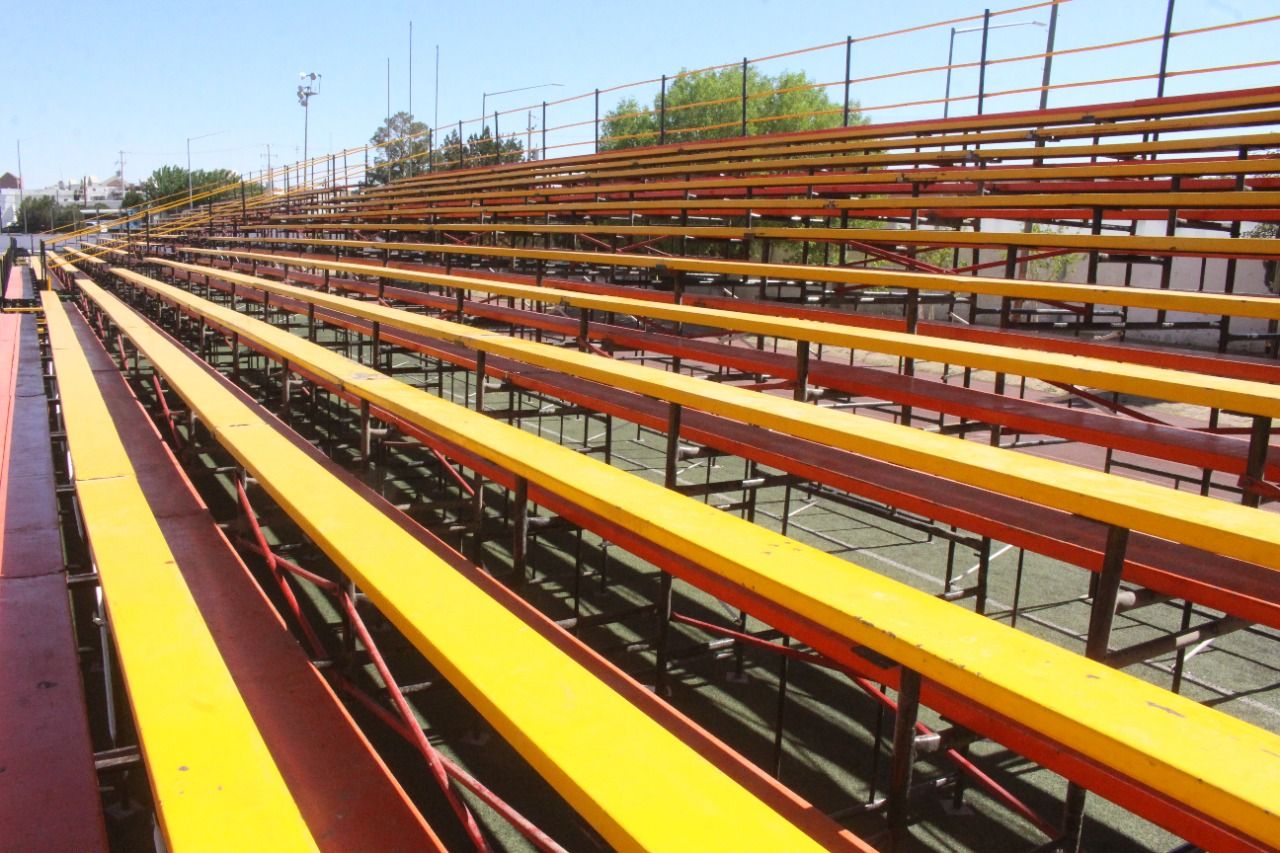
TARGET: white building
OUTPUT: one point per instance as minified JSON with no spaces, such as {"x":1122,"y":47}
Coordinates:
{"x":10,"y":193}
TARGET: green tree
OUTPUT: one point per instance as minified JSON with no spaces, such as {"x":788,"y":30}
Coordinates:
{"x":402,"y":149}
{"x":708,"y":105}
{"x":483,"y":150}
{"x":133,"y":198}
{"x":480,"y":150}
{"x":447,"y":154}
{"x":169,"y":183}
{"x":1055,"y":268}
{"x":42,"y":213}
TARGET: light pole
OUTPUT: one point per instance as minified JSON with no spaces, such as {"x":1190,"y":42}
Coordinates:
{"x":310,"y":86}
{"x":951,"y":48}
{"x":191,"y":139}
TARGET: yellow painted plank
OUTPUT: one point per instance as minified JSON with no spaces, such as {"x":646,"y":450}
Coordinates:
{"x":1256,"y":246}
{"x":1223,"y":767}
{"x":215,"y":784}
{"x":633,"y":780}
{"x":1258,"y":398}
{"x":1211,"y":304}
{"x":1201,"y":522}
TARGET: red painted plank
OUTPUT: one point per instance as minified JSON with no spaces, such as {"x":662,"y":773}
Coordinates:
{"x":48,"y":788}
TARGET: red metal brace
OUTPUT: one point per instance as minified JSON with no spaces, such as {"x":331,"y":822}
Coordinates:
{"x":419,"y":737}
{"x":178,"y":443}
{"x":522,"y":824}
{"x":273,"y":563}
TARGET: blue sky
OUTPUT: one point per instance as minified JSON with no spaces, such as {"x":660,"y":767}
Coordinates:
{"x":85,"y":80}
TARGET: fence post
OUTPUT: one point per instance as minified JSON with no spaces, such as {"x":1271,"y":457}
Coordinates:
{"x":596,"y":125}
{"x":1048,"y":57}
{"x":848,"y":65}
{"x":662,"y":112}
{"x":543,"y":154}
{"x":497,"y":141}
{"x":462,"y":149}
{"x":1164,"y":49}
{"x":982,"y":64}
{"x":744,"y":96}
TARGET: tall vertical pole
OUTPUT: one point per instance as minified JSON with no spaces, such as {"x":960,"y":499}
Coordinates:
{"x":982,"y":63}
{"x":435,"y":104}
{"x":462,"y":148}
{"x":596,"y":124}
{"x":271,"y":177}
{"x":1164,"y":50}
{"x":1048,"y":57}
{"x":411,"y":68}
{"x":848,"y":69}
{"x":388,"y":88}
{"x":542,"y":155}
{"x":528,"y":135}
{"x":188,"y":171}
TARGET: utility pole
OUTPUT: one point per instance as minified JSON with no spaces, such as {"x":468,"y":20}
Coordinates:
{"x":435,"y":115}
{"x":411,"y":68}
{"x":388,"y":88}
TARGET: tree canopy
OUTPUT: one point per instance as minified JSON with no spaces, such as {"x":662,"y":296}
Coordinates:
{"x":41,"y":213}
{"x":403,"y":145}
{"x":169,"y":183}
{"x":708,"y":105}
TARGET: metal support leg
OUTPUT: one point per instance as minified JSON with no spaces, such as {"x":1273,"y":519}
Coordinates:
{"x":1259,"y":444}
{"x":984,"y":571}
{"x":1100,"y":619}
{"x":780,"y":719}
{"x":802,"y":371}
{"x":366,"y":438}
{"x":520,"y":530}
{"x":661,"y":687}
{"x":1104,"y":599}
{"x":904,"y":749}
{"x":480,"y":370}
